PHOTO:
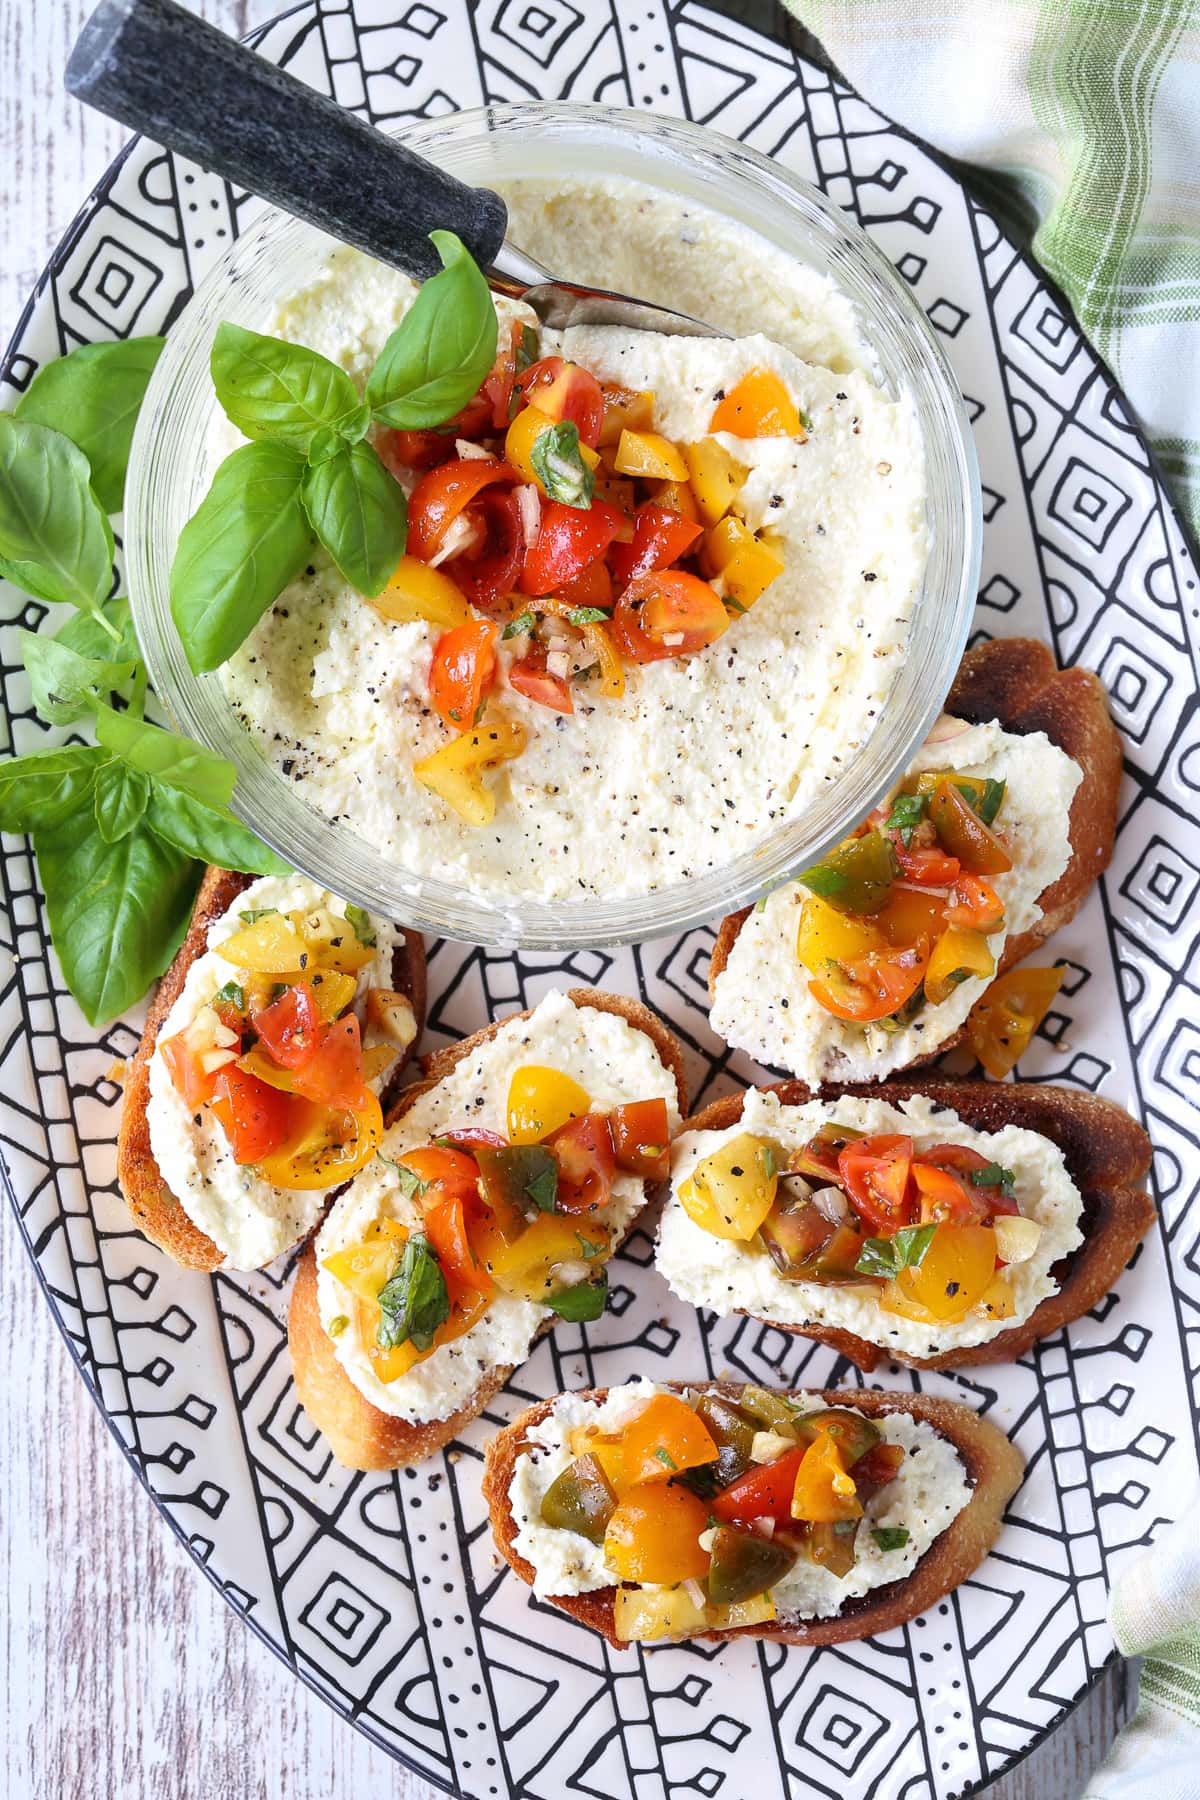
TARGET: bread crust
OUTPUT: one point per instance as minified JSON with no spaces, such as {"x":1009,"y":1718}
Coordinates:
{"x":1016,"y":682}
{"x":156,"y":1211}
{"x":360,"y":1435}
{"x":1106,"y":1152}
{"x":994,"y":1468}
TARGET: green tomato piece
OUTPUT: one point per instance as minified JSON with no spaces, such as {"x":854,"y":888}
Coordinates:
{"x":580,"y":1500}
{"x":744,"y":1564}
{"x":857,"y":877}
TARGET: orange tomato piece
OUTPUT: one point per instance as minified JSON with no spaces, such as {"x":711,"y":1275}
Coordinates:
{"x":873,"y":986}
{"x":665,"y":1438}
{"x":824,"y":1493}
{"x":641,"y":1135}
{"x":957,"y":956}
{"x":974,"y":905}
{"x":874,"y":1172}
{"x":654,"y":1536}
{"x":667,"y":613}
{"x":963,"y":834}
{"x":462,"y":671}
{"x":759,"y":405}
{"x":1003,"y":1020}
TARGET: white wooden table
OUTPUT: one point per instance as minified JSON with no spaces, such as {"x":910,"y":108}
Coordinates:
{"x":123,"y":1673}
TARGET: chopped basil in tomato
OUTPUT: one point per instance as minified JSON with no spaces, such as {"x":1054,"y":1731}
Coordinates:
{"x":907,"y":812}
{"x":232,"y":994}
{"x":888,"y":1255}
{"x":415,"y":1301}
{"x":519,"y":626}
{"x":994,"y":1175}
{"x":559,"y":466}
{"x":580,"y":1304}
{"x":364,"y":931}
{"x":890,"y":1537}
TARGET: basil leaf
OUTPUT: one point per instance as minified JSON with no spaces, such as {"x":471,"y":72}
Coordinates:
{"x":995,"y":1175}
{"x":415,"y":1301}
{"x":527,"y":349}
{"x":272,"y":389}
{"x":890,"y":1537}
{"x":92,"y":396}
{"x":360,"y":919}
{"x":560,"y":467}
{"x":358,"y":510}
{"x":55,"y":541}
{"x":178,"y":761}
{"x":587,"y":1250}
{"x":443,"y":348}
{"x":253,"y":914}
{"x":39,"y":791}
{"x":519,"y":626}
{"x":586,"y":615}
{"x":67,"y":686}
{"x":232,"y":994}
{"x":907,"y":812}
{"x":581,"y":1303}
{"x":887,"y":1256}
{"x":411,"y":1185}
{"x":991,"y":799}
{"x":117,"y":912}
{"x":248,"y":539}
{"x":826,"y":882}
{"x":91,"y":634}
{"x":210,"y":833}
{"x":539,"y":1176}
{"x":121,"y":797}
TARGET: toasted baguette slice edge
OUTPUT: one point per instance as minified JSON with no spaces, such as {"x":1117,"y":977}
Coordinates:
{"x":1016,"y":681}
{"x":993,"y":1465}
{"x":155,"y":1210}
{"x":360,"y":1435}
{"x":1106,"y":1153}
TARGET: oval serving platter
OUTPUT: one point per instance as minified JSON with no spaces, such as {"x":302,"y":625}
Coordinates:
{"x":382,"y":1592}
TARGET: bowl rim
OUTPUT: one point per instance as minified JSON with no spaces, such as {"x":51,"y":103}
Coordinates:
{"x":337,"y":857}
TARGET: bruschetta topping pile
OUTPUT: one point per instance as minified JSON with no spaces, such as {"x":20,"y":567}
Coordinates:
{"x":279,"y":1055}
{"x":902,"y":912}
{"x":710,"y":1502}
{"x":514,"y":1216}
{"x":550,"y":514}
{"x":927,"y":1234}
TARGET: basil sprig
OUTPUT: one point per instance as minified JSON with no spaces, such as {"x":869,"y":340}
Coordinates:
{"x":558,"y":464}
{"x":581,"y":1303}
{"x":415,"y":1301}
{"x":888,"y":1255}
{"x":92,"y":397}
{"x":309,"y":475}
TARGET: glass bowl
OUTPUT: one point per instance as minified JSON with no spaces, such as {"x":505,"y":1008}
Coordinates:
{"x":277,"y":255}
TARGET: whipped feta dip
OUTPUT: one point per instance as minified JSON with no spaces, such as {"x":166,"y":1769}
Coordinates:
{"x":761,"y":1001}
{"x":613,"y":1062}
{"x":249,"y":1221}
{"x":726,"y":1276}
{"x":704,"y":755}
{"x":926,"y":1496}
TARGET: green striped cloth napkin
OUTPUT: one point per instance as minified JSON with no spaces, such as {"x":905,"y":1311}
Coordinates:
{"x":1079,"y":124}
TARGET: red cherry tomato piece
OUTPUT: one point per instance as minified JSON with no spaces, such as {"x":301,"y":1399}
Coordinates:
{"x":587,"y":1162}
{"x":874,"y":1172}
{"x":568,"y":539}
{"x":291,"y":1028}
{"x":192,"y":1082}
{"x":333,"y":1075}
{"x":641,"y":1135}
{"x":492,"y":568}
{"x":563,"y":390}
{"x":531,"y":677}
{"x":462,"y":672}
{"x":986,"y":1201}
{"x":660,"y":538}
{"x":499,"y":385}
{"x":442,"y":494}
{"x":926,"y":867}
{"x":764,"y":1493}
{"x":253,"y":1116}
{"x":667,"y":613}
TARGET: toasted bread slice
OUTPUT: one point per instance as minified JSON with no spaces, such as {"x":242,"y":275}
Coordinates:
{"x":1016,"y":682}
{"x":994,"y":1469}
{"x":155,"y":1209}
{"x":1106,"y":1152}
{"x":360,"y":1435}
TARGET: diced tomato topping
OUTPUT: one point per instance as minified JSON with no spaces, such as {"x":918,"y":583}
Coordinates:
{"x":254,"y":1117}
{"x":764,"y":1493}
{"x":942,"y":1199}
{"x":568,"y":539}
{"x":874,"y":1172}
{"x":531,"y":677}
{"x":498,"y":388}
{"x":449,"y":1170}
{"x":291,"y":1027}
{"x":927,"y":867}
{"x":874,"y":985}
{"x":469,"y":1137}
{"x":962,"y":1161}
{"x":442,"y":494}
{"x":333,"y":1074}
{"x":591,"y":587}
{"x":660,"y":538}
{"x":881,"y":1464}
{"x":583,"y":1150}
{"x":641,"y":1136}
{"x":446,"y":1225}
{"x":406,"y":450}
{"x":462,"y":672}
{"x":563,"y":390}
{"x":974,"y":904}
{"x":193,"y":1084}
{"x":667,"y":613}
{"x":229,"y":1016}
{"x":491,"y":568}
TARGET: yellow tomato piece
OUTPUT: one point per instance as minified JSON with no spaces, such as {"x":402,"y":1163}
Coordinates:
{"x":390,"y":1362}
{"x":716,"y":477}
{"x":529,"y":1267}
{"x":331,"y":942}
{"x":524,"y":433}
{"x":956,"y":956}
{"x":618,"y":491}
{"x":455,"y":771}
{"x":540,"y":1100}
{"x":997,"y":1298}
{"x":731,"y":1192}
{"x":893,"y":1299}
{"x":650,"y":455}
{"x":1003,"y":1020}
{"x":654,"y":1536}
{"x":642,"y":1615}
{"x":328,"y":1147}
{"x":585,"y":1440}
{"x":268,"y":946}
{"x":333,"y":990}
{"x":417,"y":591}
{"x":625,"y":409}
{"x":759,"y":405}
{"x":609,"y":678}
{"x":824,"y":1493}
{"x":256,"y":1062}
{"x":665,"y":1438}
{"x":677,"y":496}
{"x":745,"y":564}
{"x":368,"y":1266}
{"x":759,"y":1610}
{"x":955,"y":1271}
{"x":908,"y":915}
{"x":376,"y":1058}
{"x":826,"y":935}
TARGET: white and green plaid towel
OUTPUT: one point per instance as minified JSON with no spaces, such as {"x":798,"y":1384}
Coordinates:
{"x":1079,"y":121}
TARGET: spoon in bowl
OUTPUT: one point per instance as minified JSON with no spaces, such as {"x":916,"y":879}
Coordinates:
{"x":168,"y":74}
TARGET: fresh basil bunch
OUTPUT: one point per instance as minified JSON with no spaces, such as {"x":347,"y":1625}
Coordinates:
{"x":308,"y":473}
{"x":121,"y":828}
